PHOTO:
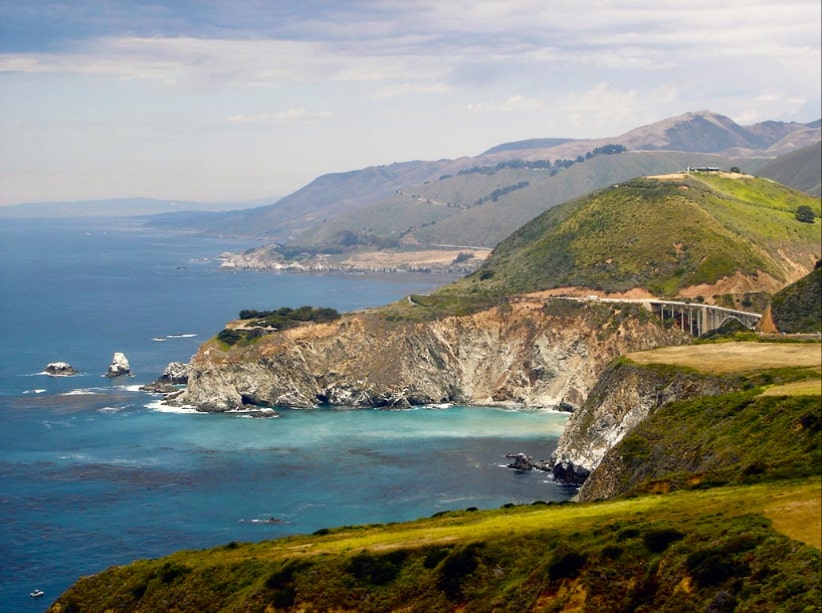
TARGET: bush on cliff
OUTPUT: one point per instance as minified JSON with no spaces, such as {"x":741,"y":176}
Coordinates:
{"x":258,"y":323}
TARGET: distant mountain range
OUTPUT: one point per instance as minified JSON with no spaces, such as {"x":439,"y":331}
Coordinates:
{"x":479,"y":200}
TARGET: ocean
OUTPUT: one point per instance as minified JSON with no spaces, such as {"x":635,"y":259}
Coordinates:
{"x":94,"y":473}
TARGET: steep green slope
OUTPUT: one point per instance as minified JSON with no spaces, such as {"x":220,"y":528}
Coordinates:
{"x":741,"y":437}
{"x":798,"y":307}
{"x":663,"y":234}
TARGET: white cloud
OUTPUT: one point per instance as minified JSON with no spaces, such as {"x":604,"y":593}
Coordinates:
{"x":514,"y":103}
{"x":387,"y":80}
{"x":411,"y":89}
{"x":291,"y":116}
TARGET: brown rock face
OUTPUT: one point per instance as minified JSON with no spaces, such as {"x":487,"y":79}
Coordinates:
{"x":518,"y":354}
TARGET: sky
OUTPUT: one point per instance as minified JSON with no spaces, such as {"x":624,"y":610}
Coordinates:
{"x":235,"y":100}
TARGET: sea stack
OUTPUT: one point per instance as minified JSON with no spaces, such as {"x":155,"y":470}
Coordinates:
{"x":119,"y":366}
{"x":60,"y":369}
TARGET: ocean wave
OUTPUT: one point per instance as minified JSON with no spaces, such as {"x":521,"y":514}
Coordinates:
{"x":80,"y":392}
{"x":110,"y":409}
{"x":187,"y":335}
{"x":267,"y":520}
{"x":130,"y":388}
{"x":254,"y":411}
{"x":34,"y":391}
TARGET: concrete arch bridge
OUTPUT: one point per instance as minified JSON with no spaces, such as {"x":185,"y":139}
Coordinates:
{"x":697,"y":319}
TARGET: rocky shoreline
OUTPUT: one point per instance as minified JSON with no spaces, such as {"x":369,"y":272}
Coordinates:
{"x":459,"y":261}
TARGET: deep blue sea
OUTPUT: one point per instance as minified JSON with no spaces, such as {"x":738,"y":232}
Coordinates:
{"x":93,"y":475}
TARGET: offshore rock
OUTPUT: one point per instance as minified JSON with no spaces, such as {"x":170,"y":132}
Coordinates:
{"x":568,"y":472}
{"x":60,"y":369}
{"x":513,"y":355}
{"x":176,"y":373}
{"x":119,"y":366}
{"x":524,"y":462}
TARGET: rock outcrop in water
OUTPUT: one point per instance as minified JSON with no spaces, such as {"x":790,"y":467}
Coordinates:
{"x":60,"y":369}
{"x":175,"y":374}
{"x":119,"y":366}
{"x":519,"y":354}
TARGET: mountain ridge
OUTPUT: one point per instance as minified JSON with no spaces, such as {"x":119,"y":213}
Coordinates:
{"x":336,"y":195}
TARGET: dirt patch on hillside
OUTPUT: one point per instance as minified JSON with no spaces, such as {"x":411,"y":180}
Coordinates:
{"x":735,"y":357}
{"x":737,"y":284}
{"x":637,"y":293}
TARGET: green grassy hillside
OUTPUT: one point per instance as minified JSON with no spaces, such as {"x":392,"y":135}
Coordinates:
{"x":695,"y":551}
{"x":742,"y":437}
{"x":663,"y":234}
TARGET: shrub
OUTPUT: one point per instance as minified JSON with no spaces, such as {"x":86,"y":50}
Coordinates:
{"x":804,"y":214}
{"x":567,"y":566}
{"x":710,"y":567}
{"x":376,"y":570}
{"x":658,"y":540}
{"x":171,"y":571}
{"x":435,"y":556}
{"x":456,"y":568}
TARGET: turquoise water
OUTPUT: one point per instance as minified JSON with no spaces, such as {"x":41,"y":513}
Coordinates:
{"x":91,"y":475}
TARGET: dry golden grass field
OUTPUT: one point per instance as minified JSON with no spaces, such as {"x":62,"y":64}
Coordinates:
{"x":723,"y":358}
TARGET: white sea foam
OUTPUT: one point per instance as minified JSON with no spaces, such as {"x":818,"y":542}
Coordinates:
{"x":161,"y":407}
{"x":110,"y":410}
{"x":80,"y":392}
{"x":188,"y":335}
{"x":131,"y":388}
{"x":268,"y":520}
{"x":255,"y":412}
{"x":36,"y":391}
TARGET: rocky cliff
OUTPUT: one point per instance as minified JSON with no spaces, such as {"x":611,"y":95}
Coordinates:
{"x":526,"y":352}
{"x":623,"y":396}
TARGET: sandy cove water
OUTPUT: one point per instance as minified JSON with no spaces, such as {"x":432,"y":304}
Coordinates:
{"x":91,"y":475}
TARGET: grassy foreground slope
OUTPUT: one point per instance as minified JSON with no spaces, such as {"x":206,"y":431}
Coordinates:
{"x":663,"y":234}
{"x":681,"y":552}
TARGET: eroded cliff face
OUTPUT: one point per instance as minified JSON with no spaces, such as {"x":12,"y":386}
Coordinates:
{"x":624,"y":395}
{"x":518,"y":353}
